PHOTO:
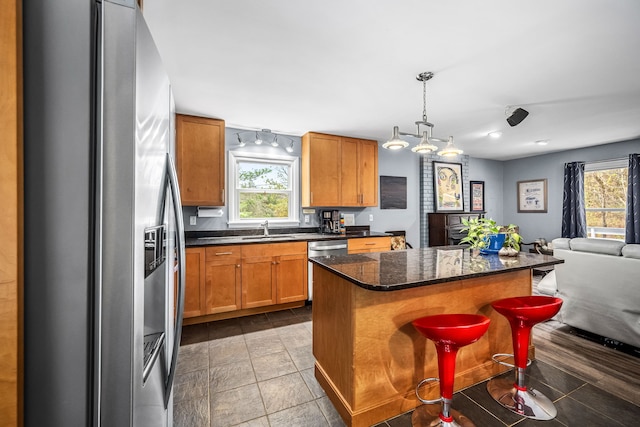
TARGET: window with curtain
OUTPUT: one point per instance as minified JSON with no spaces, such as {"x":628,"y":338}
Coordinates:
{"x":605,"y":193}
{"x":263,"y":187}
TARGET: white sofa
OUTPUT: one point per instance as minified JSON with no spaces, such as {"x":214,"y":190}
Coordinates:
{"x":599,"y":283}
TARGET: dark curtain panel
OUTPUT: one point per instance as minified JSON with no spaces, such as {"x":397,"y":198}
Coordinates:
{"x":574,"y":217}
{"x":632,"y":231}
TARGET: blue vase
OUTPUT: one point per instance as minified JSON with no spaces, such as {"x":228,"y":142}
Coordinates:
{"x":496,"y":241}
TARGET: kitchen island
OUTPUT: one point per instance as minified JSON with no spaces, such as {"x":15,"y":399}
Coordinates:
{"x":369,"y":357}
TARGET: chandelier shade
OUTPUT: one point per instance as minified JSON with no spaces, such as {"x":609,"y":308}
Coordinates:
{"x":450,"y":150}
{"x":425,"y":146}
{"x":395,"y":143}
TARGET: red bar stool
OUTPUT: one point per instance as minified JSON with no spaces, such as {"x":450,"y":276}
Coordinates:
{"x":523,"y":313}
{"x":449,"y":332}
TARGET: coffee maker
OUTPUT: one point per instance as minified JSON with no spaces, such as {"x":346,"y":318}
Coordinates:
{"x":330,"y":221}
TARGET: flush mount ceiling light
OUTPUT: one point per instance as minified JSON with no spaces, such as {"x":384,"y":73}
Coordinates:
{"x":264,"y":136}
{"x":426,"y":140}
{"x":495,"y":134}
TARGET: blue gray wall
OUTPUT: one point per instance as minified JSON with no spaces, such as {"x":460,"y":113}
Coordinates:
{"x":500,"y":180}
{"x":551,"y":167}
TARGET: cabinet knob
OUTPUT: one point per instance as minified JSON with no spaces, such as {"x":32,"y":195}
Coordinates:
{"x":237,"y":265}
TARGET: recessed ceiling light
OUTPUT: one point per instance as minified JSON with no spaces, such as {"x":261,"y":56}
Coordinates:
{"x":495,"y":134}
{"x":542,"y":142}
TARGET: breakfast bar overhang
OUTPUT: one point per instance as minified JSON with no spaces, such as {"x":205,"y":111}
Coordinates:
{"x":369,"y":358}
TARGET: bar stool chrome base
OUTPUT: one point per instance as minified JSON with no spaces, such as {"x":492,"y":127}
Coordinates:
{"x":529,"y":403}
{"x":429,"y":415}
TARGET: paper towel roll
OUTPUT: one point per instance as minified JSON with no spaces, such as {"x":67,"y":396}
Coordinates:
{"x":209,"y":212}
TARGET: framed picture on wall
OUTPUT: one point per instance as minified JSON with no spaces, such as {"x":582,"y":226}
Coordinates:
{"x":476,"y":200}
{"x":532,"y":196}
{"x":447,"y":187}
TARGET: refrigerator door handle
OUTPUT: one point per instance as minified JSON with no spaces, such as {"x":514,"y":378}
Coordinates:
{"x":177,"y":208}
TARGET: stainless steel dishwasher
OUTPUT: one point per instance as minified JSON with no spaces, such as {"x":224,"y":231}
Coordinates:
{"x":323,"y":248}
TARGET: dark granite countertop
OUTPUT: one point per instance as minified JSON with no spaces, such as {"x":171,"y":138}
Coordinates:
{"x":276,"y":235}
{"x":394,"y":270}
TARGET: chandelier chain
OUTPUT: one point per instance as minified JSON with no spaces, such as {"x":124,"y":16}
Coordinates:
{"x":424,"y":100}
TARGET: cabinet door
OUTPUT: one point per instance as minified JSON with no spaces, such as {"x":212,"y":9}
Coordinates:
{"x":200,"y":160}
{"x":349,"y":173}
{"x":320,"y":170}
{"x":292,"y":284}
{"x":258,"y":280}
{"x":194,"y":282}
{"x":223,"y":275}
{"x":368,"y":172}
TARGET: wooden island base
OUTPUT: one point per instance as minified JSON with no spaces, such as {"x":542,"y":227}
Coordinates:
{"x":369,"y":358}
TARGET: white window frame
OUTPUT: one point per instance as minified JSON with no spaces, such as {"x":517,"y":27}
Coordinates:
{"x":294,"y":200}
{"x":598,"y":166}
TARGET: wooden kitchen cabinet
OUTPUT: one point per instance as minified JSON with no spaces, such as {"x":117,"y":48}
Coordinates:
{"x":369,"y":244}
{"x":320,"y":170}
{"x":258,"y":276}
{"x":359,"y":172}
{"x":274,"y":274}
{"x":223,"y":279}
{"x":200,"y":160}
{"x":194,"y":282}
{"x":339,"y":171}
{"x":237,"y":280}
{"x":291,"y":277}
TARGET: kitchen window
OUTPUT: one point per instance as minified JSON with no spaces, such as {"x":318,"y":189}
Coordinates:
{"x":263,"y":187}
{"x":605,"y":194}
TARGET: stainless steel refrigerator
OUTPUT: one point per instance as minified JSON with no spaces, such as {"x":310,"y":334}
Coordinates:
{"x":104,"y":245}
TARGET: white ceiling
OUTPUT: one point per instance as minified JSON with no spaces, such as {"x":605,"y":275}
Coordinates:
{"x":349,"y":67}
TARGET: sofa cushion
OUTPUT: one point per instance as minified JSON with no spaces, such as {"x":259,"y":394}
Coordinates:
{"x":547,"y":285}
{"x":631,"y":251}
{"x":598,"y":246}
{"x":561,"y":243}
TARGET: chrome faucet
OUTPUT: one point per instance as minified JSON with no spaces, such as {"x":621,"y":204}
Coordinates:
{"x":265,"y":227}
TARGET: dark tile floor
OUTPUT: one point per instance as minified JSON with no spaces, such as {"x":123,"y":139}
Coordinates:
{"x":257,"y":371}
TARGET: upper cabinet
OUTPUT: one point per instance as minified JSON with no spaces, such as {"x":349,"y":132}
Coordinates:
{"x":339,"y":171}
{"x":200,"y":160}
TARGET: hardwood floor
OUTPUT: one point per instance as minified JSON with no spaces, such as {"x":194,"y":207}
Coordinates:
{"x":606,"y":368}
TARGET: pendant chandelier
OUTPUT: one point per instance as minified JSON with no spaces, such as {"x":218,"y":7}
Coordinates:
{"x":426,"y":144}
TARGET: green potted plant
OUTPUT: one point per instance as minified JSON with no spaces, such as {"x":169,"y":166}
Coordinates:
{"x":512,"y":241}
{"x":478,"y":231}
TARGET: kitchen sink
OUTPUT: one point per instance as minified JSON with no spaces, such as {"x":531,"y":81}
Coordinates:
{"x":270,"y":237}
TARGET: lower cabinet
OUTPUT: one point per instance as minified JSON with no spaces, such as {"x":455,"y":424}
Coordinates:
{"x":223,"y":279}
{"x":291,"y":277}
{"x":258,"y":276}
{"x":194,"y":282}
{"x":369,"y":244}
{"x":274,"y":274}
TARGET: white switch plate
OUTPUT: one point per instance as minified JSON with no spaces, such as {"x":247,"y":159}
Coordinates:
{"x":370,"y":217}
{"x":192,"y":220}
{"x":306,"y":219}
